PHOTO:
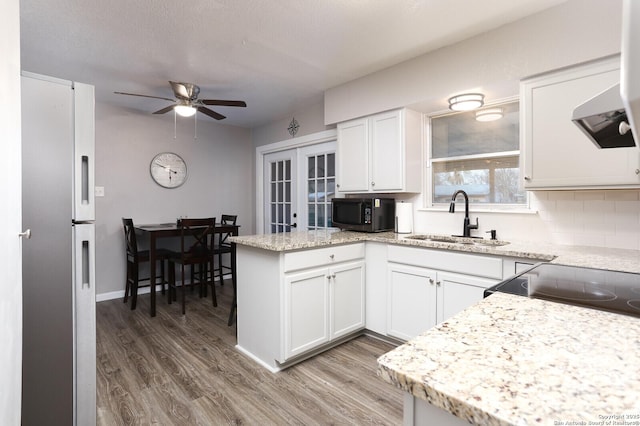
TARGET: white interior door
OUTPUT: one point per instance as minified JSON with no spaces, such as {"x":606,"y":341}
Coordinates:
{"x":280,"y":189}
{"x":11,"y":195}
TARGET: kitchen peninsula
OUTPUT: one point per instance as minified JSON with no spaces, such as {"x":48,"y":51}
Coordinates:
{"x":507,"y":359}
{"x":512,"y":360}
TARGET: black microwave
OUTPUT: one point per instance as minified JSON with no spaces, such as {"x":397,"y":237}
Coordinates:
{"x":364,"y":214}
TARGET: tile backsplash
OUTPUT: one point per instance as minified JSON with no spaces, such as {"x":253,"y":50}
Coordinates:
{"x":607,"y":218}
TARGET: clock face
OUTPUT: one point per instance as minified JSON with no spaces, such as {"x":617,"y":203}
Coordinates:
{"x":168,"y":170}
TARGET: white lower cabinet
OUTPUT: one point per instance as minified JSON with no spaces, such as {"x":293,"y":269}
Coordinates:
{"x":321,"y":305}
{"x":411,"y":300}
{"x":420,"y":297}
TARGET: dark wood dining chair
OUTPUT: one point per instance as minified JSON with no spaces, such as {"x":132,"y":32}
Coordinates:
{"x":135,"y":258}
{"x":222,"y":246}
{"x":196,"y":236}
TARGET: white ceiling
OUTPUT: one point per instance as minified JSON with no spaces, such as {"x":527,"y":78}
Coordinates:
{"x":276,"y":55}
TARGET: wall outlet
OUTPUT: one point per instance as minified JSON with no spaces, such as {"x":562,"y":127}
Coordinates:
{"x":99,"y":191}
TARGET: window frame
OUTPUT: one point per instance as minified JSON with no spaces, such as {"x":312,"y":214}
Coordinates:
{"x":429,"y":160}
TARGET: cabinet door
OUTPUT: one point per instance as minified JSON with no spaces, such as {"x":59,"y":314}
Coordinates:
{"x":387,"y":152}
{"x":457,"y":292}
{"x":306,"y":311}
{"x":557,"y":155}
{"x":347,"y":298}
{"x":411,"y":300}
{"x":353,"y":156}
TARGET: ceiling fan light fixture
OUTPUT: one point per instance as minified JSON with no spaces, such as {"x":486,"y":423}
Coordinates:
{"x":185,"y":110}
{"x":489,"y":114}
{"x":466,"y":101}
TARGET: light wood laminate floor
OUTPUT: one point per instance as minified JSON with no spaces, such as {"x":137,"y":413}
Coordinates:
{"x":185,"y":370}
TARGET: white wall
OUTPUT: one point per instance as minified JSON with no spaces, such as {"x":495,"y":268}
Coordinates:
{"x":219,"y":164}
{"x":493,"y":63}
{"x":10,"y":190}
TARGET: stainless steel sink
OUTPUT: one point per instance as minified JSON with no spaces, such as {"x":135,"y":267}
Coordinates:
{"x":452,"y":239}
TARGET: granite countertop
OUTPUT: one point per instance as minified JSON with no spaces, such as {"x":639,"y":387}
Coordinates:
{"x":595,"y":257}
{"x":512,"y":360}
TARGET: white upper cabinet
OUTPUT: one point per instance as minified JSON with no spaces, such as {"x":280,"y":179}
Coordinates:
{"x":557,"y":155}
{"x":380,"y":153}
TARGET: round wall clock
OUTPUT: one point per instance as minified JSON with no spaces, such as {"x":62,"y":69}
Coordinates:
{"x":168,"y":170}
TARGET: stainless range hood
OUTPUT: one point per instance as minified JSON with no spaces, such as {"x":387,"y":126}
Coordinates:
{"x":611,"y":118}
{"x":603,"y":119}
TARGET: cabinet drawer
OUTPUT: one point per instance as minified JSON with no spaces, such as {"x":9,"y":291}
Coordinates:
{"x":463,"y":263}
{"x":322,"y":256}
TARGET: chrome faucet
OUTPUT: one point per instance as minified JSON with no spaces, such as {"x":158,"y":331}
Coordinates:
{"x":466,"y":230}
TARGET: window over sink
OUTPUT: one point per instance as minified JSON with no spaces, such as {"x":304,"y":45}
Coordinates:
{"x":480,"y":157}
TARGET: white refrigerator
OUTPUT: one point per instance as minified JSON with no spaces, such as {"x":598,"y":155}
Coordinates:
{"x":59,"y":325}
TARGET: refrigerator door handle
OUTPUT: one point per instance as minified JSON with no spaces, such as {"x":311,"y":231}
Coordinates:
{"x":84,"y":153}
{"x":84,"y":324}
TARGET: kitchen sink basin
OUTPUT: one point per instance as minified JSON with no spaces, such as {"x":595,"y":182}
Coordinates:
{"x":455,"y":239}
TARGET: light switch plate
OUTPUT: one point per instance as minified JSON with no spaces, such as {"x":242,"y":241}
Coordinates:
{"x":99,"y":191}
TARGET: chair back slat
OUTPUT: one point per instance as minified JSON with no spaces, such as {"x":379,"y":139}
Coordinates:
{"x":194,"y":238}
{"x":130,"y":237}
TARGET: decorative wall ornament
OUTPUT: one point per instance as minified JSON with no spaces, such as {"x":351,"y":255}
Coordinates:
{"x":293,"y":127}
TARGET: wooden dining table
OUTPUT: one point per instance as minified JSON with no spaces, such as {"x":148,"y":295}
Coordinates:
{"x":156,"y":231}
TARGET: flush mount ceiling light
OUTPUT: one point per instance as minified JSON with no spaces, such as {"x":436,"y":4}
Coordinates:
{"x":489,"y":114}
{"x":184,"y":110}
{"x":466,"y":101}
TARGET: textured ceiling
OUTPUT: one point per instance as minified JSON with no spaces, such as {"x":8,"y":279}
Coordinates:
{"x":276,"y":55}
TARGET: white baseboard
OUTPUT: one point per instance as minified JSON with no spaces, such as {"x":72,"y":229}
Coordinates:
{"x":119,"y":294}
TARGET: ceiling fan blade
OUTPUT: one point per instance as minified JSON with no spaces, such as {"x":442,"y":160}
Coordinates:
{"x":165,"y":110}
{"x":211,"y":113}
{"x":144,"y":96}
{"x":224,"y":103}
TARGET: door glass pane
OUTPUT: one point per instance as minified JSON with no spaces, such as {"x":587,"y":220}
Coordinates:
{"x":280,"y":174}
{"x":311,"y":208}
{"x":287,"y":174}
{"x":311,"y":167}
{"x":273,"y":172}
{"x":273,"y":192}
{"x":287,"y":192}
{"x":321,"y":165}
{"x":331,"y":189}
{"x":312,"y":190}
{"x":331,"y":164}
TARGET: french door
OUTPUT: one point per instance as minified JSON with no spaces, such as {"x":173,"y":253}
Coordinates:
{"x":280,"y":186}
{"x":299,"y":184}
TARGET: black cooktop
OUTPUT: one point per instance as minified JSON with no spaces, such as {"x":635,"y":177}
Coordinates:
{"x":613,"y":291}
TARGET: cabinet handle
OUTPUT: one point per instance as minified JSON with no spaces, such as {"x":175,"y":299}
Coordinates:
{"x":438,"y":283}
{"x":338,"y":185}
{"x":373,"y":184}
{"x":527,"y":178}
{"x":328,"y":277}
{"x":638,"y":171}
{"x":431,"y":281}
{"x":331,"y":256}
{"x":333,"y":276}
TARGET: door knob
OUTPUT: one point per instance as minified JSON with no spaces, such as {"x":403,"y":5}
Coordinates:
{"x":26,"y":234}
